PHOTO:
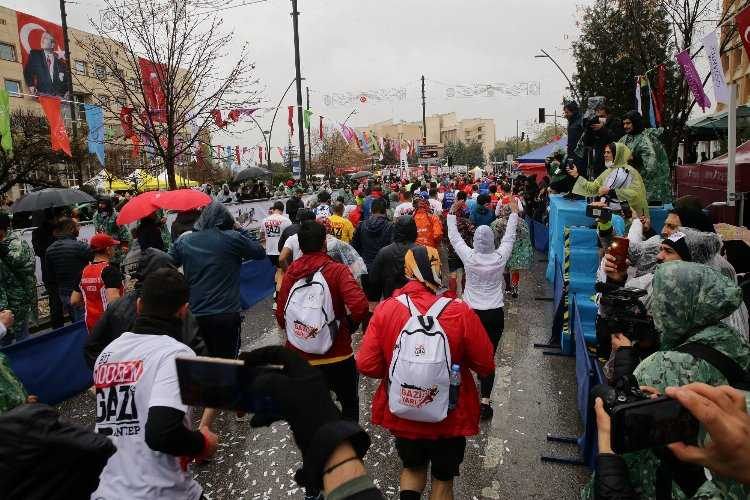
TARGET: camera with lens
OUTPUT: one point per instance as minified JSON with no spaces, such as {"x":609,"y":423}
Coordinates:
{"x":595,"y":210}
{"x":624,"y":391}
{"x":623,"y":312}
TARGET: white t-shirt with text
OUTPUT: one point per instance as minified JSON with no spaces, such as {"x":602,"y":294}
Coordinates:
{"x":404,"y":208}
{"x":132,"y":374}
{"x":272,"y":227}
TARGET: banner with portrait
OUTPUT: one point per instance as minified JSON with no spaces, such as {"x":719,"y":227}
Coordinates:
{"x":45,"y":69}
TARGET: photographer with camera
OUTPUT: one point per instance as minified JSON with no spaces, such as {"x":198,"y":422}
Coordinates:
{"x":721,"y":410}
{"x":688,"y":302}
{"x":572,"y":113}
{"x":560,"y":181}
{"x":600,"y":130}
{"x":619,"y":182}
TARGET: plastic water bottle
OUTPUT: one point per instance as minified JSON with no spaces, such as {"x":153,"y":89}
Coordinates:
{"x":455,"y":379}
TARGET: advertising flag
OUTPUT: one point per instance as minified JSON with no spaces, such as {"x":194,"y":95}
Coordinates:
{"x":6,"y":140}
{"x":58,"y":135}
{"x":693,"y":79}
{"x":321,"y":128}
{"x":45,"y":69}
{"x":306,"y":118}
{"x":95,"y":123}
{"x":290,"y":121}
{"x":721,"y":91}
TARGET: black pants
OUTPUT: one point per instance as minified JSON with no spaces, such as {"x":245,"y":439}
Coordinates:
{"x":221,"y":332}
{"x":343,"y":379}
{"x":55,"y":306}
{"x":493,"y":321}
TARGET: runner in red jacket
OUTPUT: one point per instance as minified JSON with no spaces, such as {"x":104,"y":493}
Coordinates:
{"x":338,"y":363}
{"x":418,"y":443}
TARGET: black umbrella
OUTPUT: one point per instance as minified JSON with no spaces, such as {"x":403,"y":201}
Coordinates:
{"x":360,"y":175}
{"x":251,"y":173}
{"x":49,"y":198}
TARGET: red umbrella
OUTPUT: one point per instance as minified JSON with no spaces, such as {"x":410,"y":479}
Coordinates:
{"x":138,"y":207}
{"x":182,"y":200}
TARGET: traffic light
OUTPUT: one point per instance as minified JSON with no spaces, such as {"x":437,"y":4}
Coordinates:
{"x":541,"y":115}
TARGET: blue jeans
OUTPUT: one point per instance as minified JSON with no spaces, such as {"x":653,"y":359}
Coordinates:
{"x":75,"y":312}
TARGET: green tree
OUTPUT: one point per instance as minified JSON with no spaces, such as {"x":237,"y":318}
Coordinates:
{"x":470,"y":154}
{"x":389,"y":157}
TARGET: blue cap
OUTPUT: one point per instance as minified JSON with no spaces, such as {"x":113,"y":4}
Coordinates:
{"x":455,"y":367}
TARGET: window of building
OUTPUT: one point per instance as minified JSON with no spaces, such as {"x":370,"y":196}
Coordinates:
{"x":13,"y":87}
{"x":479,"y":137}
{"x":120,"y":101}
{"x":100,"y":71}
{"x":7,"y":52}
{"x":103,"y":99}
{"x":81,"y":67}
{"x":479,"y":129}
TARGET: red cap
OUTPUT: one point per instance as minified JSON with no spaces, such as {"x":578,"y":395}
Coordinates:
{"x":100,"y":241}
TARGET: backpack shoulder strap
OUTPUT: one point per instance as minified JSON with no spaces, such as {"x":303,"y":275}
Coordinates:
{"x":404,"y":299}
{"x":438,"y":307}
{"x":735,"y":375}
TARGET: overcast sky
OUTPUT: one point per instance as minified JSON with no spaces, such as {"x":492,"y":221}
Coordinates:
{"x":356,"y":47}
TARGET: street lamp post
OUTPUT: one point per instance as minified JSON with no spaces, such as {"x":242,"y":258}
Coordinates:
{"x":300,"y":123}
{"x":545,"y":55}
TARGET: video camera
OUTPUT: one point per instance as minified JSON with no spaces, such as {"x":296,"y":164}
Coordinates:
{"x":604,"y":214}
{"x":623,"y":312}
{"x":640,"y":422}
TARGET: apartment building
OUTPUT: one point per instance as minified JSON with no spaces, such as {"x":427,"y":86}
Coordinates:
{"x":441,"y":129}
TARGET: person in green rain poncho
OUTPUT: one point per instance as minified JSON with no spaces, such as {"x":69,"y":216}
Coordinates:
{"x":649,"y":157}
{"x":619,"y":181}
{"x":105,"y":221}
{"x":688,"y":302}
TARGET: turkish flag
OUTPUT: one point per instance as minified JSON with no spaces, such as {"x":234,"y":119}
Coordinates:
{"x":218,"y":120}
{"x":742,"y":20}
{"x":153,"y":78}
{"x":58,"y":134}
{"x":126,"y":121}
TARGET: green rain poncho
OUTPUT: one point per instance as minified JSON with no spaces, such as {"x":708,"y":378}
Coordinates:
{"x":651,"y":160}
{"x":688,"y":303}
{"x":625,"y":180}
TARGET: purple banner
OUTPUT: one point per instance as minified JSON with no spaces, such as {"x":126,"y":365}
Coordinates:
{"x":693,"y":79}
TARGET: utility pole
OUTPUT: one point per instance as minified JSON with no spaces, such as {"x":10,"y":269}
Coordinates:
{"x":516,"y":139}
{"x":424,"y":117}
{"x":309,"y":143}
{"x":300,"y":123}
{"x":74,"y":125}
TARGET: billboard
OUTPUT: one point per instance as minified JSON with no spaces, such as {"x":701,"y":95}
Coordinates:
{"x":45,"y":69}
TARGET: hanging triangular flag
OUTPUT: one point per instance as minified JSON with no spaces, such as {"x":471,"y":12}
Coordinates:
{"x":7,"y":139}
{"x":58,"y":135}
{"x":218,"y":120}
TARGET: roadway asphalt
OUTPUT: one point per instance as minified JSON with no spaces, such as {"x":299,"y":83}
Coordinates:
{"x":534,"y":396}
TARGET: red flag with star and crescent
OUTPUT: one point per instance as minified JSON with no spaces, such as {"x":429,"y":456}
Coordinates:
{"x":742,"y":20}
{"x":45,"y":69}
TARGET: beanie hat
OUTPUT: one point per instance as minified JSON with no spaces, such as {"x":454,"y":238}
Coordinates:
{"x":678,"y":242}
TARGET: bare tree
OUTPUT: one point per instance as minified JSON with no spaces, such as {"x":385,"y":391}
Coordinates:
{"x":334,"y":152}
{"x":32,"y":162}
{"x":169,"y":61}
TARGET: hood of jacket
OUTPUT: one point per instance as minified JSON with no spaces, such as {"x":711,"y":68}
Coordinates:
{"x":214,"y":215}
{"x":643,"y":256}
{"x":622,"y":155}
{"x":152,"y":260}
{"x":484,"y":240}
{"x":404,"y":229}
{"x":703,"y":246}
{"x":307,"y":264}
{"x":688,"y":297}
{"x":375,"y":225}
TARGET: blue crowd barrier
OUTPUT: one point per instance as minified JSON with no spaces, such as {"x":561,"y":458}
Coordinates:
{"x":256,"y":282}
{"x":51,"y":365}
{"x":588,"y":374}
{"x":539,"y":235}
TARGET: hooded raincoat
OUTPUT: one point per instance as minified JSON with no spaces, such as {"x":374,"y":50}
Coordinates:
{"x":388,"y":267}
{"x":484,"y":264}
{"x":620,"y":177}
{"x":211,"y":257}
{"x":649,"y":158}
{"x":689,"y":300}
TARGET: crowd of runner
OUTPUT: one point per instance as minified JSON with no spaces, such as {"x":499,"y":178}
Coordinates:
{"x":422,"y":267}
